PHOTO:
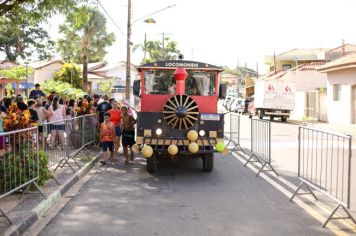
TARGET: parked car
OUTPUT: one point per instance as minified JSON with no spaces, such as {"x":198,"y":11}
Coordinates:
{"x":227,"y":100}
{"x":228,"y":105}
{"x":238,"y":105}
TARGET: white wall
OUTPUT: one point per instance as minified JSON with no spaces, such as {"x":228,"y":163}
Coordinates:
{"x":299,"y":105}
{"x":339,"y":112}
{"x":46,"y":73}
{"x":306,"y":80}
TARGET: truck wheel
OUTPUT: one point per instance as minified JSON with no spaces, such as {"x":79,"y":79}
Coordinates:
{"x":208,"y":162}
{"x":283,"y":119}
{"x":271,"y":117}
{"x":260,"y":114}
{"x":152,"y":163}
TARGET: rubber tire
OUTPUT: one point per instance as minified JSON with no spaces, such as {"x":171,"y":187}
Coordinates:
{"x":260,"y":114}
{"x":208,"y":162}
{"x":271,"y":118}
{"x":151,"y":163}
{"x":284,"y":119}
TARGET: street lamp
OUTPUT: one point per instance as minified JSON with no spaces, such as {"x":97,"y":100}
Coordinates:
{"x":129,"y":43}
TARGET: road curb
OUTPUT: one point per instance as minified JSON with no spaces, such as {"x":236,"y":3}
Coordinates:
{"x":35,"y":214}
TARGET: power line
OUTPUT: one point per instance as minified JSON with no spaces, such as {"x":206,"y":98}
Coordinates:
{"x":112,"y":20}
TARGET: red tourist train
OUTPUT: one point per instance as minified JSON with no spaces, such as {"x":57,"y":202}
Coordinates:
{"x":179,"y":111}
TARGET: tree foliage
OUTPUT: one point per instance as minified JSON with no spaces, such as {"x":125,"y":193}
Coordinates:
{"x":69,"y":73}
{"x":85,"y":38}
{"x":21,"y":37}
{"x":158,"y":50}
{"x":62,"y":88}
{"x":16,"y":73}
{"x":20,"y":25}
{"x":37,"y":8}
{"x":106,"y":86}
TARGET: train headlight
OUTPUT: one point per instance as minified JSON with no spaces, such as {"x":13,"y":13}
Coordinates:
{"x":201,"y":133}
{"x":159,"y":121}
{"x":159,"y":131}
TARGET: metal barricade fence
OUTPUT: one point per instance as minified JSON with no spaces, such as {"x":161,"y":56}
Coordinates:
{"x":261,"y":144}
{"x":19,"y":162}
{"x":233,"y":132}
{"x":324,"y":163}
{"x":64,"y":140}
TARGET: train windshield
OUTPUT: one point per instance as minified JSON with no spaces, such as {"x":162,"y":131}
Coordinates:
{"x":198,"y":82}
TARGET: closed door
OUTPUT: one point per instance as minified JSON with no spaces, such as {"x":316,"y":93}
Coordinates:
{"x":323,"y":101}
{"x":353,"y":113}
{"x":312,"y":106}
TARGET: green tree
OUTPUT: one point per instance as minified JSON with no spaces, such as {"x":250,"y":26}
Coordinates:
{"x":16,"y":73}
{"x":37,"y":8}
{"x":69,"y":73}
{"x":85,"y":38}
{"x":158,"y":50}
{"x":62,"y":88}
{"x":22,"y":38}
{"x":106,"y":86}
{"x":20,"y":26}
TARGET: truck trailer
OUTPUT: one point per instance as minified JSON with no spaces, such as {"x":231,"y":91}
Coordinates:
{"x":274,"y":98}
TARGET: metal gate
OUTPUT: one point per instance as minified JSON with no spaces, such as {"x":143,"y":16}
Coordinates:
{"x":261,"y":144}
{"x":324,"y":164}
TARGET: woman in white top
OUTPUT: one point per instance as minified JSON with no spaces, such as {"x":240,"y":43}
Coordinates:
{"x":42,"y":116}
{"x":57,"y":127}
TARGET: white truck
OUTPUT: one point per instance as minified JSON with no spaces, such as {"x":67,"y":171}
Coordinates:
{"x":274,"y":98}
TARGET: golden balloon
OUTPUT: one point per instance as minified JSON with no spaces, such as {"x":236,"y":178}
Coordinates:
{"x":172,"y":149}
{"x":192,"y":135}
{"x":147,"y":151}
{"x":193,"y":147}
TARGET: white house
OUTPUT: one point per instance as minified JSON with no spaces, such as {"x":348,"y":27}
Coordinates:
{"x":44,"y":70}
{"x":341,"y":89}
{"x":115,"y":71}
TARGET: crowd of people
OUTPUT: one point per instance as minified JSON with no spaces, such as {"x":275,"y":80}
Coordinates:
{"x":115,"y":123}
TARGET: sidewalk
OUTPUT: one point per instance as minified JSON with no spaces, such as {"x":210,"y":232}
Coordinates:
{"x":25,"y":211}
{"x":347,"y":129}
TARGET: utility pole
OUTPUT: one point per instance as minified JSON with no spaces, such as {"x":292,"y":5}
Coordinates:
{"x":274,"y":63}
{"x":128,"y":52}
{"x":128,"y":45}
{"x":144,"y":48}
{"x":162,"y":46}
{"x":238,"y":78}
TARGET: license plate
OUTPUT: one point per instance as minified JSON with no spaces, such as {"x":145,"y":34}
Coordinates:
{"x":214,"y":117}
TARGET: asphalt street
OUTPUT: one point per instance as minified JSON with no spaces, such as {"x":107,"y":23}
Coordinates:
{"x":181,"y":199}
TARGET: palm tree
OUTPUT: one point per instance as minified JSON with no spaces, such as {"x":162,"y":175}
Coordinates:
{"x":86,"y":28}
{"x":156,"y":51}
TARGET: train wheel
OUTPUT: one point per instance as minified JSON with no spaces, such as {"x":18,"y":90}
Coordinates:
{"x":152,"y":163}
{"x":208,"y":162}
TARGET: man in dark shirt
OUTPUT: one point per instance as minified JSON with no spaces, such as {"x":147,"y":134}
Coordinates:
{"x":95,"y":100}
{"x":37,"y":92}
{"x":103,"y":108}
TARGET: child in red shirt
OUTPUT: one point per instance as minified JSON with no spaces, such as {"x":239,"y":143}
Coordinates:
{"x":107,"y":136}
